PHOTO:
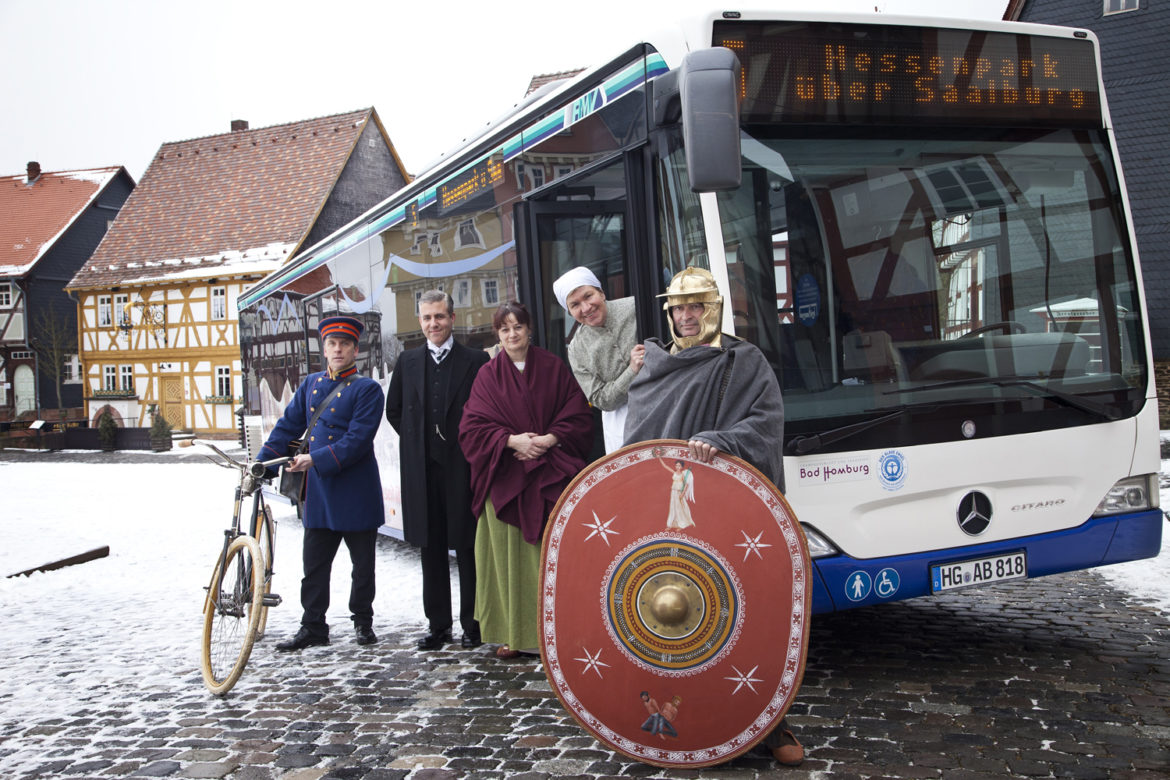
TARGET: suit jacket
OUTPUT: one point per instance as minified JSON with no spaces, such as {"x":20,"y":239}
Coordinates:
{"x":342,"y":490}
{"x":406,"y":411}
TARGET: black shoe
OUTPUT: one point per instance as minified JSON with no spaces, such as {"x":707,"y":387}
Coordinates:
{"x":365,"y":635}
{"x":434,"y":640}
{"x":470,"y":640}
{"x":303,"y":639}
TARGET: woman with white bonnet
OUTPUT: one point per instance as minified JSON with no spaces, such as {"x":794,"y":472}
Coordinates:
{"x":604,"y":353}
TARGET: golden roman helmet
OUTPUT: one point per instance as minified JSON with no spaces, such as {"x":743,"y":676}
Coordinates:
{"x":695,"y":285}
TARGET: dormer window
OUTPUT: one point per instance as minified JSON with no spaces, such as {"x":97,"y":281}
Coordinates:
{"x":1120,"y":6}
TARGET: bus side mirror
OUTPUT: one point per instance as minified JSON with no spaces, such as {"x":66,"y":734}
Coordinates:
{"x":707,"y":104}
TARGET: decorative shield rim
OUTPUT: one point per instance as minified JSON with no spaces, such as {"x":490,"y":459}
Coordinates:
{"x":794,"y":661}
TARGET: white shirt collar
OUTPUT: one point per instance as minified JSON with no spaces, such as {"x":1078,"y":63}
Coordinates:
{"x":445,"y":345}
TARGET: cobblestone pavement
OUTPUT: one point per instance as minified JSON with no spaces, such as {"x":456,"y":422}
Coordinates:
{"x":1055,"y":678}
{"x":1061,"y":677}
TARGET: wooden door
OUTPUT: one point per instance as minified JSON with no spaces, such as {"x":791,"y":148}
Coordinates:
{"x":172,"y":401}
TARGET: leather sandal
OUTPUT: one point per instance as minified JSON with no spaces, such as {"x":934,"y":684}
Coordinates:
{"x":790,"y":752}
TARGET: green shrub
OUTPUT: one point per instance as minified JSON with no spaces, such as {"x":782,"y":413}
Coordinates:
{"x":107,"y":431}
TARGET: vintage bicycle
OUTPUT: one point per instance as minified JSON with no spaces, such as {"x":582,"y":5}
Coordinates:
{"x":235,"y":610}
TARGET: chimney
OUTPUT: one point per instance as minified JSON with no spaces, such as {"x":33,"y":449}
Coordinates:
{"x":239,"y":125}
{"x":34,"y":171}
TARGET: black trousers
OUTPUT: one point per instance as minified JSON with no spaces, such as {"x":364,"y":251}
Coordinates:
{"x":436,"y":563}
{"x":319,"y":551}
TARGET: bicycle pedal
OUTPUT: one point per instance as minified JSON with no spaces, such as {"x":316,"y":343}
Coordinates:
{"x":271,"y":600}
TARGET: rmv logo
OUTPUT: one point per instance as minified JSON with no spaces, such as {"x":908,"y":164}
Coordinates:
{"x":585,"y":105}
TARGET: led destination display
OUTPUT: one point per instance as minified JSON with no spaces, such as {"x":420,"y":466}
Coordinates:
{"x":819,"y":72}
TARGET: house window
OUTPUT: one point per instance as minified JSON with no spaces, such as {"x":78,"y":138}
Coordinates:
{"x":5,"y":295}
{"x":109,"y":377}
{"x":491,"y":292}
{"x":1120,"y":6}
{"x":467,"y":234}
{"x":420,"y":240}
{"x":223,"y":381}
{"x":219,"y":303}
{"x":71,"y":373}
{"x":105,"y":318}
{"x":127,"y":373}
{"x":122,"y":308}
{"x":461,"y":293}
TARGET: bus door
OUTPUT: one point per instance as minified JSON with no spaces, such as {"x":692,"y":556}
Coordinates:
{"x":563,"y":236}
{"x":584,"y":222}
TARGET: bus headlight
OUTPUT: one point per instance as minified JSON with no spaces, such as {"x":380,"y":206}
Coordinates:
{"x":1133,"y":494}
{"x":818,"y":546}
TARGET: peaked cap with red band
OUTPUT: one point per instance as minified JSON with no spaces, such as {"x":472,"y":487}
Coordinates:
{"x":341,"y":327}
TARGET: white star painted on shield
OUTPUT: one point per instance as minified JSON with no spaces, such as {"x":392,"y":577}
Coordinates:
{"x":751,"y":545}
{"x":600,"y":528}
{"x":593,"y":662}
{"x":743,"y":679}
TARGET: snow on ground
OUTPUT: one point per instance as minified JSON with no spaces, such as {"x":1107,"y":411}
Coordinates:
{"x":164,"y":526}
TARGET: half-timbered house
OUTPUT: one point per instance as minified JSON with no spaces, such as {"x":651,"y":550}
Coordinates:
{"x":157,"y":301}
{"x":50,"y":224}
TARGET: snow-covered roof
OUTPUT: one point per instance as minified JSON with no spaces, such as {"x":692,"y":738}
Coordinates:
{"x":250,"y":262}
{"x":34,"y":215}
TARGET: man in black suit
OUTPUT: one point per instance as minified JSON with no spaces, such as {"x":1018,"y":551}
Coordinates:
{"x":424,"y":403}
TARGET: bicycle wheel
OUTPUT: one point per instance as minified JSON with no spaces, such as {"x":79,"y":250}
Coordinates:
{"x":267,"y":541}
{"x":231,"y":613}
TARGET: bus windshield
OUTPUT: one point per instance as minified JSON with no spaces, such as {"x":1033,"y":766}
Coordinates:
{"x":959,"y":274}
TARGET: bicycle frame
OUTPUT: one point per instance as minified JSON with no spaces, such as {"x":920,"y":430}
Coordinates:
{"x":252,"y":478}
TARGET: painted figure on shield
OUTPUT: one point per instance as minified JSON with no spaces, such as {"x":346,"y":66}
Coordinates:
{"x":682,"y":495}
{"x":659,"y":720}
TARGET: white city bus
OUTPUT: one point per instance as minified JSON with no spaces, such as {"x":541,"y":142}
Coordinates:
{"x":923,"y":225}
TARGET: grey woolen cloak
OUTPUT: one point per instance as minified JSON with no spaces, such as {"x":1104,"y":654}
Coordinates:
{"x":677,"y":397}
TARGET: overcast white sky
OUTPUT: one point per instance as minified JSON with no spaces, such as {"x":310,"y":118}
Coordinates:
{"x":89,"y":84}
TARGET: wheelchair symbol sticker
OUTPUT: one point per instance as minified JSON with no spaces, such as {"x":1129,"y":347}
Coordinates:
{"x":886,"y":583}
{"x":858,"y":585}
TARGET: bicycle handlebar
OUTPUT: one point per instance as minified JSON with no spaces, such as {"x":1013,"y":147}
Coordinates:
{"x":255,"y":468}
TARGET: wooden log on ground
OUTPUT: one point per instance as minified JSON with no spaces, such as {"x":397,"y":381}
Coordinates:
{"x":92,"y":555}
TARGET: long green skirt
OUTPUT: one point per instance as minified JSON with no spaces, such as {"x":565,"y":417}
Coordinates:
{"x":507,"y":584}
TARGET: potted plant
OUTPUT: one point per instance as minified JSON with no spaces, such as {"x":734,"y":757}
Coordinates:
{"x":160,"y":431}
{"x":107,"y":431}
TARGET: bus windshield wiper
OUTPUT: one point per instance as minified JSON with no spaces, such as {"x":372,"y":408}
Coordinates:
{"x":803,"y":445}
{"x":1086,"y":405}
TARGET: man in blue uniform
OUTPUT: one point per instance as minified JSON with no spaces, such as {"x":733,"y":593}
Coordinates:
{"x":343,"y":494}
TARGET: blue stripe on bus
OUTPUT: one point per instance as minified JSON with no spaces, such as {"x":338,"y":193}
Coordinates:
{"x":1097,"y":542}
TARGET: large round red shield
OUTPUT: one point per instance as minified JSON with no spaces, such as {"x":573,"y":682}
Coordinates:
{"x":675,"y":604}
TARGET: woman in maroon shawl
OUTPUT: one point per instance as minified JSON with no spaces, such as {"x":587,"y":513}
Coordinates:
{"x":526,"y":430}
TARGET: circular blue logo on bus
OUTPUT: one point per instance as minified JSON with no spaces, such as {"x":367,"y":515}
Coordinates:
{"x":892,"y":469}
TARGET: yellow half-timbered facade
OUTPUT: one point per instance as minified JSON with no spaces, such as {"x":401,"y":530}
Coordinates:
{"x":168,"y":344}
{"x":158,"y":328}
